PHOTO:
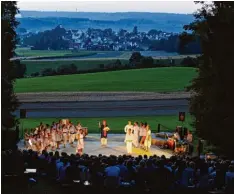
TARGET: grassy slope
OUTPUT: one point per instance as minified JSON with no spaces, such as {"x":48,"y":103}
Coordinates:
{"x":155,"y":79}
{"x":116,"y":123}
{"x":37,"y":66}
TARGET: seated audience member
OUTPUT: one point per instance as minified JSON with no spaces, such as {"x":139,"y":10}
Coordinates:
{"x":112,"y":175}
{"x":62,"y":170}
{"x":229,"y":178}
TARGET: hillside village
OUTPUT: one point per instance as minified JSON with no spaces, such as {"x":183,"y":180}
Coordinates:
{"x":91,"y":39}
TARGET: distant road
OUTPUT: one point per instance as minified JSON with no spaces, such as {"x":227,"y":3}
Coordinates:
{"x":98,"y":96}
{"x":104,"y":108}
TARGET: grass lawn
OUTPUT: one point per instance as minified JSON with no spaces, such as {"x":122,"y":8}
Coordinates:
{"x":84,"y":64}
{"x":26,"y":52}
{"x":154,"y":80}
{"x":116,"y":124}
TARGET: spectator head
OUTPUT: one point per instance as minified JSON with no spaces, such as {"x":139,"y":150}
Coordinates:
{"x":231,"y":168}
{"x":129,"y":164}
{"x":192,"y":165}
{"x":142,"y":164}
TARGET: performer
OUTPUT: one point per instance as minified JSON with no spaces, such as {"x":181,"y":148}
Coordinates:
{"x":33,"y":142}
{"x":80,"y":142}
{"x":104,"y":130}
{"x":136,"y":130}
{"x":143,"y":135}
{"x":72,"y":134}
{"x":58,"y":136}
{"x":189,"y":139}
{"x":39,"y":143}
{"x":53,"y":138}
{"x":78,"y":128}
{"x":148,"y":139}
{"x":129,"y":140}
{"x":42,"y":140}
{"x":26,"y":139}
{"x":36,"y":131}
{"x":46,"y":139}
{"x":65,"y":135}
{"x":128,"y":126}
{"x":141,"y":131}
{"x":177,"y":135}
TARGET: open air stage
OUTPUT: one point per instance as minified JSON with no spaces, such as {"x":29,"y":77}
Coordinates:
{"x":116,"y":146}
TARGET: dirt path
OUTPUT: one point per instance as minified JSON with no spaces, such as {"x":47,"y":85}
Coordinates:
{"x":98,"y":96}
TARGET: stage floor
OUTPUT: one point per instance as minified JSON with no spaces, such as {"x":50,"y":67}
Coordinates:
{"x":115,"y":146}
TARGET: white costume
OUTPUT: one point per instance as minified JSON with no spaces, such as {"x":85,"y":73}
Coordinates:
{"x":78,"y":128}
{"x":147,"y":142}
{"x":128,"y":140}
{"x":136,"y":130}
{"x":53,"y":138}
{"x":65,"y":135}
{"x":72,"y":132}
{"x":128,"y":127}
{"x":80,"y":142}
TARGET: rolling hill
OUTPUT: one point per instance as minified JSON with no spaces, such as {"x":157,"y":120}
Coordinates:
{"x":149,"y":80}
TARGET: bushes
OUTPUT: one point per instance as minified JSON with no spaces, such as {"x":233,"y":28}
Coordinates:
{"x":67,"y":69}
{"x":61,"y":70}
{"x":48,"y":72}
{"x":189,"y":62}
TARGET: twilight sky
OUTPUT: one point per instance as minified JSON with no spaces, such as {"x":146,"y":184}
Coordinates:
{"x":110,"y":6}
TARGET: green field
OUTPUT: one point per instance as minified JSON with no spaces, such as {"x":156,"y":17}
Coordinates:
{"x":26,"y":52}
{"x":155,"y":80}
{"x":85,"y":64}
{"x":116,"y":124}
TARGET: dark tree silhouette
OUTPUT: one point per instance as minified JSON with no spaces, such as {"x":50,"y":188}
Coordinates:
{"x":9,"y":100}
{"x":212,"y":102}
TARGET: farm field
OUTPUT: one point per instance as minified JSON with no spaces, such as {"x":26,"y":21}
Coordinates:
{"x":149,"y":80}
{"x":26,"y":52}
{"x":116,"y":124}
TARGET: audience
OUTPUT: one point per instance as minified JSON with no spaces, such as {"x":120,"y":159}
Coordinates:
{"x":142,"y":172}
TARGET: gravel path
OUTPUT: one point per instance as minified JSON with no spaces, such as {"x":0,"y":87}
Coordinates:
{"x":97,"y":96}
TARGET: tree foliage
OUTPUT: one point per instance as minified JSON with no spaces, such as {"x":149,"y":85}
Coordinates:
{"x":8,"y":36}
{"x":212,"y":102}
{"x":20,"y":69}
{"x":50,"y":39}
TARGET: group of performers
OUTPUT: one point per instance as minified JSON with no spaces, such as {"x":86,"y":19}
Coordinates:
{"x":137,"y":136}
{"x":63,"y":132}
{"x":183,"y":140}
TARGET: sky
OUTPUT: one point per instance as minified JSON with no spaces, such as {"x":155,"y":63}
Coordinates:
{"x":110,"y":6}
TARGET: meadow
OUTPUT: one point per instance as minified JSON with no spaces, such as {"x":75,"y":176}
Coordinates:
{"x":116,"y":124}
{"x":166,"y":79}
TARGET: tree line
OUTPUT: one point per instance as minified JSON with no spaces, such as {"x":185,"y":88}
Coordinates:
{"x":136,"y":61}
